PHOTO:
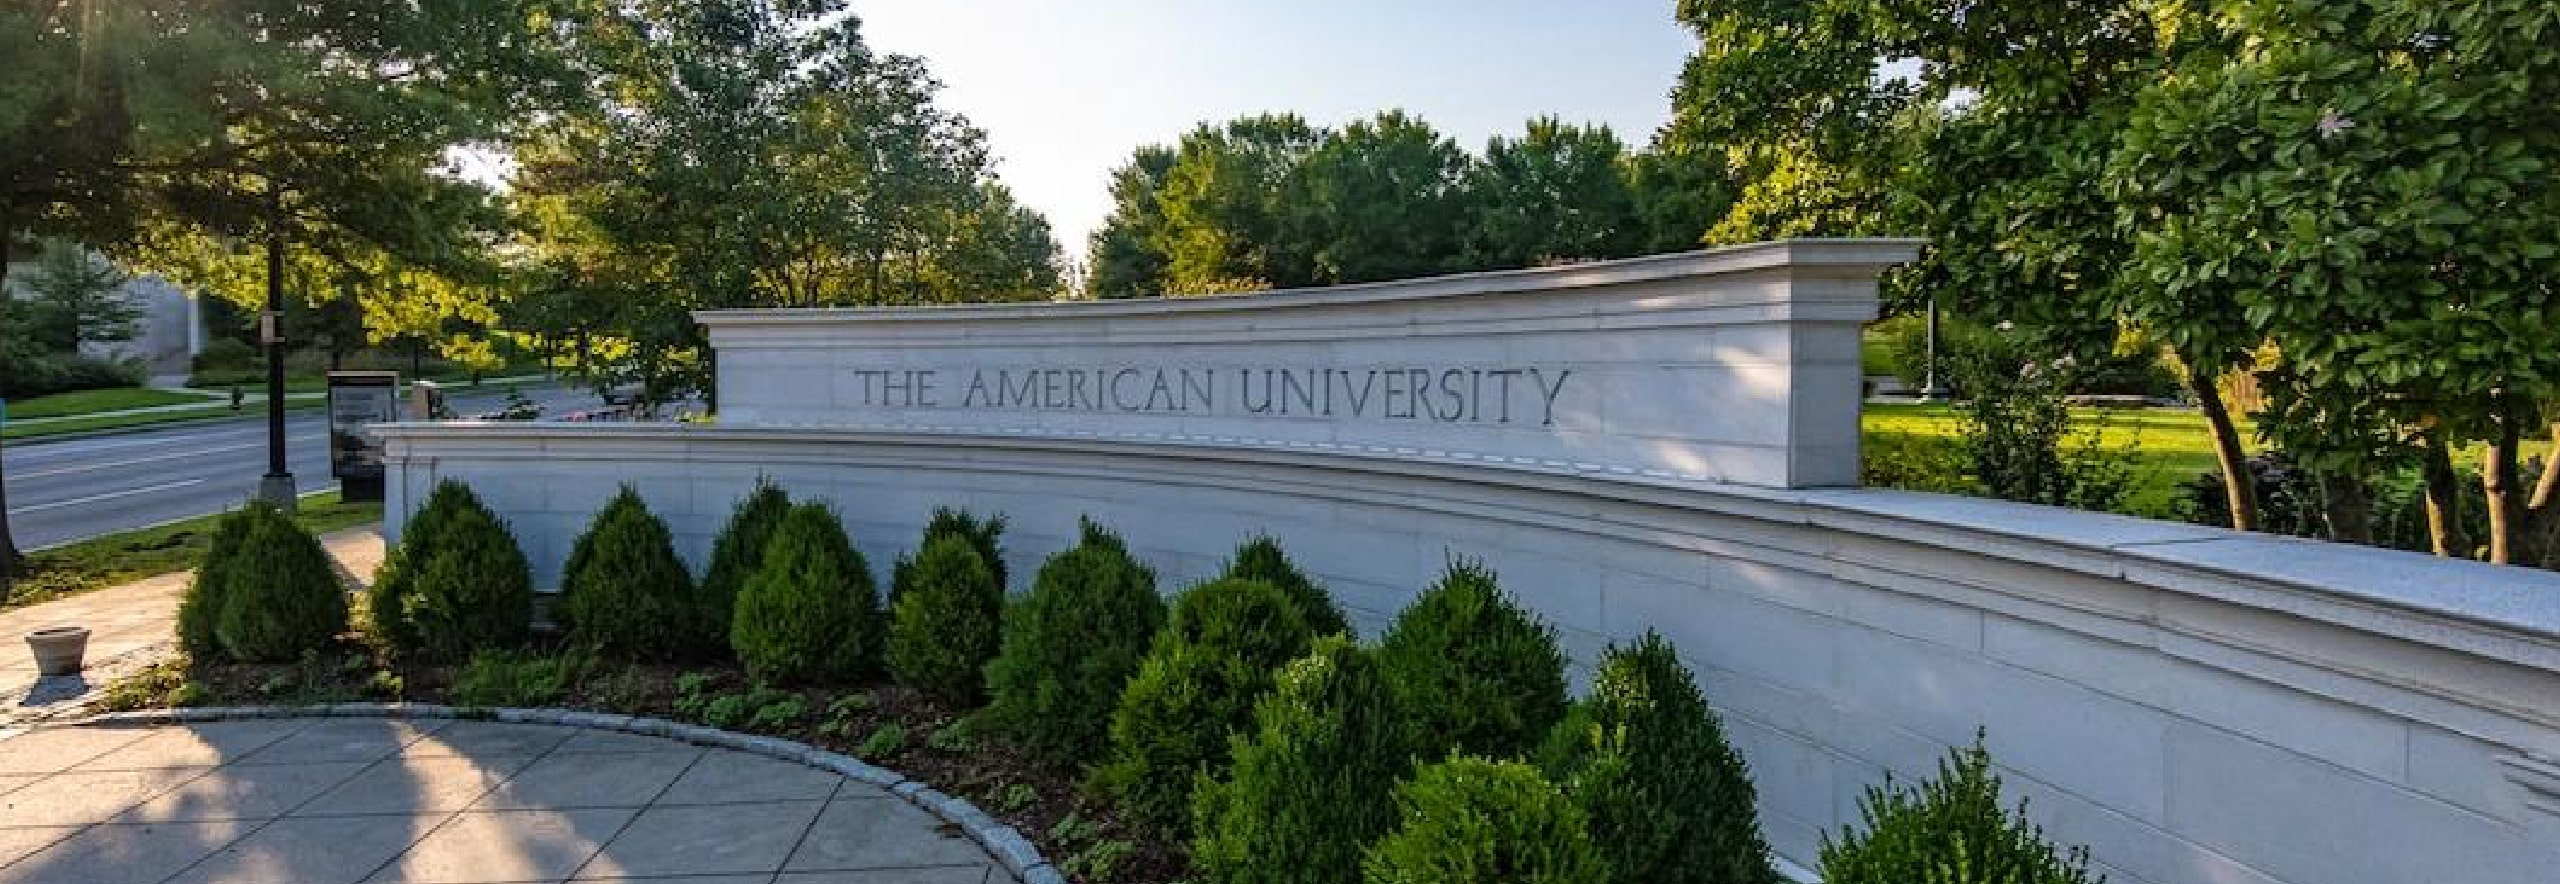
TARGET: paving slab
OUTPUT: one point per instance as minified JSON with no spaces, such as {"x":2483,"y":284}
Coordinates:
{"x":354,"y":800}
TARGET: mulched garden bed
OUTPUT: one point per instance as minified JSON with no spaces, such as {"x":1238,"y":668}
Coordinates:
{"x":882,"y":723}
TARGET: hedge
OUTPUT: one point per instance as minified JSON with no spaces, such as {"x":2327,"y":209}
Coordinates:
{"x":1478,"y":674}
{"x":1476,"y":821}
{"x":626,"y":594}
{"x":1262,"y":559}
{"x":946,"y":627}
{"x":1949,"y":829}
{"x":1071,"y":646}
{"x":1669,"y":800}
{"x":1198,"y":685}
{"x":809,"y":613}
{"x":1307,"y":789}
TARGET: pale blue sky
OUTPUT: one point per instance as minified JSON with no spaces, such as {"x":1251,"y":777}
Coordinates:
{"x":1067,"y":88}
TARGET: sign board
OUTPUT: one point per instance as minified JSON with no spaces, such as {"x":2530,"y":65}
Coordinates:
{"x":356,"y":400}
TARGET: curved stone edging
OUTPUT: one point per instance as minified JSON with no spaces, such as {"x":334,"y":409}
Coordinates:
{"x":1007,"y":844}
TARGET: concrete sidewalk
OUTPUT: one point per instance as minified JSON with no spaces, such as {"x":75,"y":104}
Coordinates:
{"x":130,"y":627}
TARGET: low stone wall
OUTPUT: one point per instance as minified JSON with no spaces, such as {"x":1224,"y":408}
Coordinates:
{"x":2193,"y":704}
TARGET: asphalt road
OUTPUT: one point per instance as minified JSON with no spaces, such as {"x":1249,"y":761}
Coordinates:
{"x":73,"y":489}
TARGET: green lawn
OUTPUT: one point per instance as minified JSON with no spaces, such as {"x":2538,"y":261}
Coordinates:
{"x":2171,"y":445}
{"x":101,"y":562}
{"x":94,"y":401}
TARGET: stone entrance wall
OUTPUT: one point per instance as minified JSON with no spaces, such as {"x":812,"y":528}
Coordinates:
{"x":2193,"y":704}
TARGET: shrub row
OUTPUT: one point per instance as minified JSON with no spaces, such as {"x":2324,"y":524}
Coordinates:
{"x":1245,"y":722}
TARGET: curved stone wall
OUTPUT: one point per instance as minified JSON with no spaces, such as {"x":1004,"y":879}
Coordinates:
{"x":2193,"y":704}
{"x":1661,"y":444}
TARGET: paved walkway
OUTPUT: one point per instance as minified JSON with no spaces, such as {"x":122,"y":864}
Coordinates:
{"x":130,"y":627}
{"x":341,"y":800}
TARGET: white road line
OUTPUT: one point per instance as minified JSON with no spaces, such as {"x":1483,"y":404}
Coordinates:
{"x":179,"y":455}
{"x":111,"y":495}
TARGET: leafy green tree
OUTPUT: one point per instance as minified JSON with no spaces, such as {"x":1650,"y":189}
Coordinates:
{"x":1556,"y":193}
{"x":1126,"y":253}
{"x":1381,"y":199}
{"x":2367,"y":185}
{"x":1226,"y":218}
{"x":744,"y":153}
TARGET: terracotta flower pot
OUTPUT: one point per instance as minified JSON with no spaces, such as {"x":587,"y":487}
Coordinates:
{"x":58,"y":649}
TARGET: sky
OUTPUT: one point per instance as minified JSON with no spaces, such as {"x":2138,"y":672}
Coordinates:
{"x":1066,"y":89}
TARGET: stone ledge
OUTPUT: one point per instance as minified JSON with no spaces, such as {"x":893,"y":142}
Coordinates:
{"x":1002,"y":842}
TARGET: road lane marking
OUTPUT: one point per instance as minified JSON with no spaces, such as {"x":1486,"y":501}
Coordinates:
{"x":111,"y":495}
{"x":156,"y":458}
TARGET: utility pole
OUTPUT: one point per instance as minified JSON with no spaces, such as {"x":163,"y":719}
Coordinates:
{"x":277,"y":486}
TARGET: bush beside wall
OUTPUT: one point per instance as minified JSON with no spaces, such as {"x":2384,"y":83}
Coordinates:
{"x":946,"y":627}
{"x":737,"y":552}
{"x":1668,"y":799}
{"x":1475,"y":821}
{"x":1308,"y":789}
{"x":1949,"y":829}
{"x":1262,"y":559}
{"x":809,"y":613}
{"x":267,"y":592}
{"x":626,"y":594}
{"x":1071,"y":646}
{"x":1198,"y":685}
{"x":1477,"y":673}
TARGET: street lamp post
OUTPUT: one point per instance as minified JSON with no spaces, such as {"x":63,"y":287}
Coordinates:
{"x":277,"y":485}
{"x":1930,"y":389}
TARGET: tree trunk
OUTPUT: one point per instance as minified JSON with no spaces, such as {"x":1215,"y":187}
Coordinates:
{"x":2444,"y":501}
{"x":2498,"y":480}
{"x":2539,"y":542}
{"x":8,"y":541}
{"x":2239,"y":486}
{"x":2348,"y":504}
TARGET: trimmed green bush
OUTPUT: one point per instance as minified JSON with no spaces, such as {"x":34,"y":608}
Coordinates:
{"x":809,"y":613}
{"x":738,"y":550}
{"x":203,"y":599}
{"x":1669,"y":801}
{"x":1477,"y":674}
{"x":947,"y":626}
{"x":1475,"y":821}
{"x":272,"y":597}
{"x":473,"y":591}
{"x":1071,"y":645}
{"x":385,"y":609}
{"x":1949,"y":830}
{"x":1309,"y":786}
{"x":1212,"y":662}
{"x":1261,"y":559}
{"x":985,"y":536}
{"x":625,"y":594}
{"x":508,"y":678}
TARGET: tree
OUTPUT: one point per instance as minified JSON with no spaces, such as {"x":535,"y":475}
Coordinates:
{"x":2367,"y":185}
{"x":1381,"y":199}
{"x":258,"y":118}
{"x":1126,"y":253}
{"x":743,"y":153}
{"x":1558,"y":192}
{"x":1225,"y":222}
{"x":77,"y":297}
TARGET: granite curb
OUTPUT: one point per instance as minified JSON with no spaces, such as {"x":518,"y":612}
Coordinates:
{"x":1015,"y":852}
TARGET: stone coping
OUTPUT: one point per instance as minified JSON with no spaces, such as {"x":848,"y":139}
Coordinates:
{"x":1005,"y":843}
{"x":1864,"y":254}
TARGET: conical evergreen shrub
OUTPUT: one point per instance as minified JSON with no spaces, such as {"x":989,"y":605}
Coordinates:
{"x":986,"y":536}
{"x":947,"y":626}
{"x":1474,"y":821}
{"x":736,"y":553}
{"x":1669,"y":801}
{"x":625,"y":592}
{"x":472,"y":590}
{"x":1477,"y":674}
{"x":1071,"y":645}
{"x":270,"y":597}
{"x":1950,"y":829}
{"x":1262,"y":559}
{"x":1197,"y":687}
{"x":1310,"y":784}
{"x":809,"y":613}
{"x":396,"y":578}
{"x":202,"y":602}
